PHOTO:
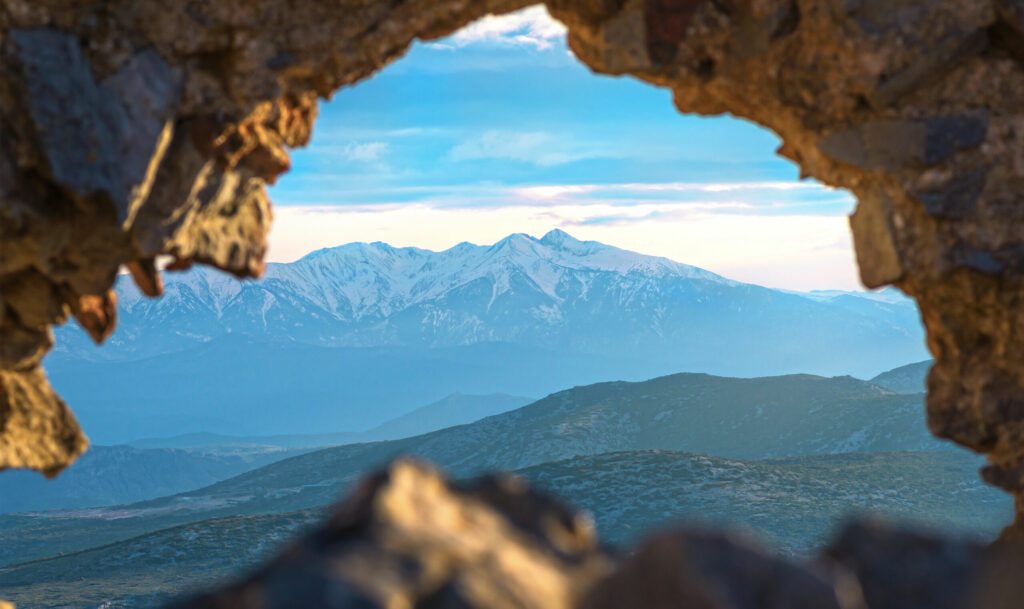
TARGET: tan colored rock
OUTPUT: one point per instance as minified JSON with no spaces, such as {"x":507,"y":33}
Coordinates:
{"x":38,"y":431}
{"x":406,"y":537}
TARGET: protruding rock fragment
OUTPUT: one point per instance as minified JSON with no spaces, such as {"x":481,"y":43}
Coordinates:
{"x":37,"y":430}
{"x":409,"y":538}
{"x":885,"y":145}
{"x":146,"y":276}
{"x":96,"y":313}
{"x":705,"y":570}
{"x":875,"y":242}
{"x":147,"y":90}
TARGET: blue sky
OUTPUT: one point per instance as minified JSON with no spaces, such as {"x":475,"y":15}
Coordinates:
{"x":498,"y":129}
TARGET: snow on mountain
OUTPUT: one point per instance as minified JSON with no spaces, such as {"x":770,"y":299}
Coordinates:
{"x":557,"y":293}
{"x":361,"y":280}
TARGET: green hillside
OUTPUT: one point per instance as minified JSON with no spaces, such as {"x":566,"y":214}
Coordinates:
{"x":732,"y":418}
{"x":792,"y":503}
{"x":905,"y":379}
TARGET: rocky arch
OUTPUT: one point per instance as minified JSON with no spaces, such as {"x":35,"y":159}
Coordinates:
{"x":131,"y":129}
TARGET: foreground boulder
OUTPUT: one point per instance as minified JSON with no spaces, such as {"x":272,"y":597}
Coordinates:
{"x":407,"y":537}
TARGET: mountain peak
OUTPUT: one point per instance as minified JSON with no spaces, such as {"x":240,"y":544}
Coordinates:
{"x":558,"y":237}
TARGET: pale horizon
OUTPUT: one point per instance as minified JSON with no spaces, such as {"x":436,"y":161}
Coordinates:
{"x":299,"y":231}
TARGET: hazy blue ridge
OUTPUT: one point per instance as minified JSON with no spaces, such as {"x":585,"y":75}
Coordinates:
{"x":747,"y":419}
{"x":905,"y":379}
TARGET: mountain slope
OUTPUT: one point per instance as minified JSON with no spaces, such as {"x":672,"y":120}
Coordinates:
{"x":911,"y":378}
{"x":792,"y":503}
{"x":725,"y":417}
{"x":455,"y":409}
{"x":147,"y":571}
{"x":735,"y":418}
{"x":110,"y":475}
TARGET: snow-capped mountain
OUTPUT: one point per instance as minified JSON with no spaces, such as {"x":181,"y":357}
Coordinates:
{"x":555,"y":293}
{"x":373,"y":281}
{"x":367,"y":294}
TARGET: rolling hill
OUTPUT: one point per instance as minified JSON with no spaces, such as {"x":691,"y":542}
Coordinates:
{"x":793,"y":503}
{"x":731,"y":418}
{"x":911,"y":378}
{"x":455,"y":409}
{"x":110,"y":475}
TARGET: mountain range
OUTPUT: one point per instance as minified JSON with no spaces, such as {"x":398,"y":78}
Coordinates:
{"x":348,"y":337}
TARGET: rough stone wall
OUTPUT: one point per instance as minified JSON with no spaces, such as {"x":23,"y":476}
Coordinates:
{"x":131,"y":129}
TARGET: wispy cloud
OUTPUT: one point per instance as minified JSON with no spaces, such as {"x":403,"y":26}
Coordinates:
{"x":539,"y":148}
{"x":776,"y":198}
{"x":558,"y":191}
{"x":532,"y":27}
{"x":333,"y":134}
{"x":364,"y":152}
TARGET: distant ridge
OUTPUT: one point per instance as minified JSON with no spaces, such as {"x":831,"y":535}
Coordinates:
{"x":455,"y":409}
{"x":905,"y":379}
{"x":730,"y":418}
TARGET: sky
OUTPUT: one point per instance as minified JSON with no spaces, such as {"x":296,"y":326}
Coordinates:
{"x":498,"y":129}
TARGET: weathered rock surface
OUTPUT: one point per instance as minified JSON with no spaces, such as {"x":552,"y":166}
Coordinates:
{"x":131,"y":129}
{"x":406,"y":537}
